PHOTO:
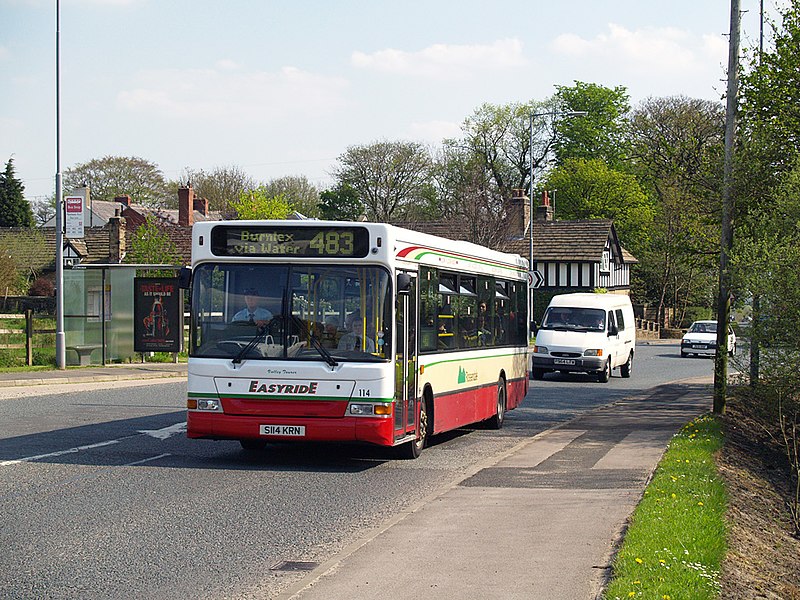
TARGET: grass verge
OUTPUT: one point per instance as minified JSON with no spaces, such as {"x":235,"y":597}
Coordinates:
{"x":676,"y":539}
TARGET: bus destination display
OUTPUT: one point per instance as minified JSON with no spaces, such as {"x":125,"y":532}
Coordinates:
{"x":282,"y":240}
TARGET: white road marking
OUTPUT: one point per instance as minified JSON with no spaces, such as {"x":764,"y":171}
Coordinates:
{"x":7,"y":463}
{"x":145,"y":460}
{"x":166,"y":432}
{"x":161,"y":434}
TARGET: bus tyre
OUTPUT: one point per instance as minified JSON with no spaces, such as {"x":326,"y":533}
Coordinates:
{"x":251,"y":445}
{"x":605,"y":374}
{"x":411,"y":450}
{"x":625,"y":370}
{"x":496,"y":422}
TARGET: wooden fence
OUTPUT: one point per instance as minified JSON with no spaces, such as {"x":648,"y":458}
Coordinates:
{"x":29,"y":331}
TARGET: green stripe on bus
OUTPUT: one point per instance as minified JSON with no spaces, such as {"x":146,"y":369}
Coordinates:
{"x":472,"y":260}
{"x":278,"y":396}
{"x":452,"y":360}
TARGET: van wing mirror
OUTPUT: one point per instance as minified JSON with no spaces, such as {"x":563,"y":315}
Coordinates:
{"x":612,"y":330}
{"x":534,"y":328}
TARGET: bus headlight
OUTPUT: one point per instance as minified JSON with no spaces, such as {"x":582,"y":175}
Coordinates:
{"x":204,"y":404}
{"x":361,"y":409}
{"x":593,"y":352}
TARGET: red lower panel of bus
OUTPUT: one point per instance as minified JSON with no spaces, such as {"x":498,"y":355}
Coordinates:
{"x":221,"y":426}
{"x":478,"y":404}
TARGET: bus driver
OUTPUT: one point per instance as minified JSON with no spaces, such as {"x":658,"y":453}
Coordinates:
{"x":252,"y":313}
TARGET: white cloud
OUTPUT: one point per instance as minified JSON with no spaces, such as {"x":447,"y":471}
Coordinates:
{"x":443,"y":60}
{"x":225,"y":94}
{"x":433,"y":131}
{"x":663,"y":49}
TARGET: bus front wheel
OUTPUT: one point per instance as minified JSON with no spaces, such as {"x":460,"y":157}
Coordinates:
{"x":413,"y":449}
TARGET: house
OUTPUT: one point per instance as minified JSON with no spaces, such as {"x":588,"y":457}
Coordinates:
{"x":97,"y":213}
{"x":569,"y":256}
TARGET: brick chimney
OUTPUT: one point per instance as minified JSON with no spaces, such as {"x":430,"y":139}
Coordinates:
{"x":124,"y":200}
{"x":519,"y":216}
{"x":201,"y":205}
{"x":116,"y":238}
{"x":544,"y":212}
{"x":185,"y":206}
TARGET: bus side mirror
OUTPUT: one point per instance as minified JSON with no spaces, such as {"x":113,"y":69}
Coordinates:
{"x":185,"y":278}
{"x":403,"y":283}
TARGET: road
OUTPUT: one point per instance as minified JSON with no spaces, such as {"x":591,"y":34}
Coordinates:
{"x":102,"y":496}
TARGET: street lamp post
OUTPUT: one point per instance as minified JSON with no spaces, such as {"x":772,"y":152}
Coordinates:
{"x":553,"y":114}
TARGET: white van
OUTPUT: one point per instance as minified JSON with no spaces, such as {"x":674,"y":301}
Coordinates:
{"x":587,"y":333}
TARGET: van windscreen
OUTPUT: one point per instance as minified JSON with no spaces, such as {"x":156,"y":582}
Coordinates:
{"x":573,"y":318}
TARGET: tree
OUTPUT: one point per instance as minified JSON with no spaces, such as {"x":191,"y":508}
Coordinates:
{"x":389,"y":177}
{"x":23,"y":256}
{"x":340,"y":203}
{"x":150,"y":244}
{"x":113,"y":176}
{"x":220,"y":186}
{"x":298,"y":191}
{"x":589,"y":189}
{"x":676,"y":146}
{"x":260,"y":204}
{"x":498,"y":138}
{"x":469,"y":199}
{"x":14,"y":209}
{"x":601,"y":133}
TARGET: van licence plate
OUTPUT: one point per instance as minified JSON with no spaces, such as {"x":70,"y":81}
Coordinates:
{"x":283,"y":430}
{"x":563,"y":361}
{"x":699,"y":347}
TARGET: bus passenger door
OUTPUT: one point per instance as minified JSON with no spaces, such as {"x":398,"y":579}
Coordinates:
{"x":405,"y":401}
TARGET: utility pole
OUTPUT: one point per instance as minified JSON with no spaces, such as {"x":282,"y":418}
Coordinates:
{"x":60,"y":338}
{"x":726,"y":241}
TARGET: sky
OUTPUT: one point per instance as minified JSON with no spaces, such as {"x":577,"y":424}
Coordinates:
{"x":282,"y":88}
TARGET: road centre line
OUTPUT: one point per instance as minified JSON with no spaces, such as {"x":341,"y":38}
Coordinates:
{"x":7,"y":463}
{"x":161,"y":434}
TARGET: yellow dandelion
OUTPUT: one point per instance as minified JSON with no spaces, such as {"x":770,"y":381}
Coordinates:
{"x":674,"y":496}
{"x":662,"y":561}
{"x":631,"y":594}
{"x":638,"y":560}
{"x":699,"y":504}
{"x":637,"y":582}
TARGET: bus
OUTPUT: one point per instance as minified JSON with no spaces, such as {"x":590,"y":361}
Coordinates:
{"x":349,"y":331}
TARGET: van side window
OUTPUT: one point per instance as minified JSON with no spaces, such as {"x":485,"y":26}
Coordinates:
{"x":620,"y":319}
{"x":611,"y":320}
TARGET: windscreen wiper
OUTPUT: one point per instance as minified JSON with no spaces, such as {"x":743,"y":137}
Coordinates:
{"x":262,"y":332}
{"x":315,"y":342}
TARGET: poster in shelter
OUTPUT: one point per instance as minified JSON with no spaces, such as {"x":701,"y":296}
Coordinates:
{"x":158,"y":322}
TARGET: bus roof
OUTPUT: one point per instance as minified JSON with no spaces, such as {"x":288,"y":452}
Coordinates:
{"x":387,"y":244}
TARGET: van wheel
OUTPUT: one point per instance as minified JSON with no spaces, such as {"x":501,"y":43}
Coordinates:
{"x":496,"y":422}
{"x":538,"y":374}
{"x":605,"y":374}
{"x":625,"y":370}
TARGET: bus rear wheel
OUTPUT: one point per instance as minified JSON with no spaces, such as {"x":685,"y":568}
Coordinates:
{"x":496,"y":422}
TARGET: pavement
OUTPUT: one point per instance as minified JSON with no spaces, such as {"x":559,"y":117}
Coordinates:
{"x":541,"y":521}
{"x":111,"y":372}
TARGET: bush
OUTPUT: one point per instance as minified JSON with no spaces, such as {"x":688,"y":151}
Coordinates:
{"x":42,"y":286}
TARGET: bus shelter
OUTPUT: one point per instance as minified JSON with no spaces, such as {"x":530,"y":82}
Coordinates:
{"x":99,"y":311}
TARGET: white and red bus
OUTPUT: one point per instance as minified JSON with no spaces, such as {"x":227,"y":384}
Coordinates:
{"x":324,"y":330}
